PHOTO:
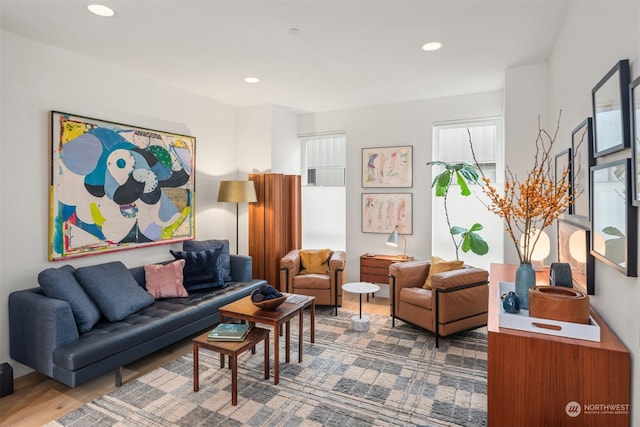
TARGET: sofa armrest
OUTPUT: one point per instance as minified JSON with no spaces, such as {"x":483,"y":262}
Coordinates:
{"x":37,"y":326}
{"x":451,"y":280}
{"x":241,"y":268}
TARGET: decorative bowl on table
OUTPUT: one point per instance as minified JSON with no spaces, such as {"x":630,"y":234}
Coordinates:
{"x":559,"y":303}
{"x":266,"y":297}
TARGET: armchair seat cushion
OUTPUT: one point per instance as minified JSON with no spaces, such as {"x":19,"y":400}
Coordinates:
{"x":312,"y":281}
{"x":419,"y":297}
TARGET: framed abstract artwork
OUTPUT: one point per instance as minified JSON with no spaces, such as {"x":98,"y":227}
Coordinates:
{"x":614,"y":220}
{"x":115,"y":186}
{"x":387,"y":167}
{"x":382,"y":212}
{"x":581,"y":162}
{"x":573,"y":249}
{"x":634,"y":96}
{"x":610,"y":101}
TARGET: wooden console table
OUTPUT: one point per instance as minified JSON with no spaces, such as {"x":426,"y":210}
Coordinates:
{"x":543,"y":380}
{"x":375,"y":268}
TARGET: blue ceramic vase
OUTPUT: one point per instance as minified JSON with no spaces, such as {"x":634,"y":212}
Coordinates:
{"x":525,"y":280}
{"x":511,"y":303}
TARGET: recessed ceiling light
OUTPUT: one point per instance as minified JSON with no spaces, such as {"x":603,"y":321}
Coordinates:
{"x":100,"y":10}
{"x":432,"y":46}
{"x":251,"y":79}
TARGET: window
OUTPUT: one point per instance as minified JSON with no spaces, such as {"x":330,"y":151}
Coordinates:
{"x":451,"y":144}
{"x":324,"y":160}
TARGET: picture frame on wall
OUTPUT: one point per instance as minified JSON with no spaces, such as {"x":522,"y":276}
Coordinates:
{"x":562,"y":165}
{"x":610,"y":102}
{"x":634,"y":98}
{"x":387,"y":167}
{"x":582,"y":160}
{"x":115,"y":186}
{"x":382,"y":212}
{"x":614,"y":220}
{"x":573,"y":249}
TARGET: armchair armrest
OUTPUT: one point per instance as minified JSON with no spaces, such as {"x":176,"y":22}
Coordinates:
{"x":411,"y":274}
{"x":459,"y":279}
{"x":289,"y":268}
{"x":337,"y":261}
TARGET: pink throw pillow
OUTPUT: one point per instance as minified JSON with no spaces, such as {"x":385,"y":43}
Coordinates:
{"x":165,"y":281}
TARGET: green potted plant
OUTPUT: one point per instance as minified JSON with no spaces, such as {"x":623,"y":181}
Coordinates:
{"x":464,"y":174}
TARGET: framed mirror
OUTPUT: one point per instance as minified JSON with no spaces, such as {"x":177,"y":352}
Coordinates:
{"x":582,"y":160}
{"x":610,"y":101}
{"x":614,"y":219}
{"x":573,"y":248}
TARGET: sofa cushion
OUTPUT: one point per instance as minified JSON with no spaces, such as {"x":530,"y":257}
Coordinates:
{"x":203,"y":245}
{"x":315,"y":261}
{"x":60,"y":283}
{"x":165,"y":281}
{"x":202,"y":270}
{"x":114,"y":290}
{"x":438,"y":265}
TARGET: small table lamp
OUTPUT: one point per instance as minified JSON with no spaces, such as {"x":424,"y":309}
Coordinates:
{"x":237,"y":192}
{"x":393,"y":239}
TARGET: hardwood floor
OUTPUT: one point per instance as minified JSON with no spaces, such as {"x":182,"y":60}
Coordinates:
{"x":37,"y":399}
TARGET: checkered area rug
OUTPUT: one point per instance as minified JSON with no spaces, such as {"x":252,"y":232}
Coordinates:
{"x":386,"y":376}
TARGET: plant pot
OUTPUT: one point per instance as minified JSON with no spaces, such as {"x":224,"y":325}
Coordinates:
{"x":559,"y":303}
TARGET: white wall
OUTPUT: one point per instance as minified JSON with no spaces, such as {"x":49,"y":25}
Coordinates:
{"x":37,"y":78}
{"x":594,"y":37}
{"x":387,"y":125}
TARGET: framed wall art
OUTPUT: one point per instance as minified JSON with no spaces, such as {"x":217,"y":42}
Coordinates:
{"x":614,"y":221}
{"x":115,"y":186}
{"x":382,"y":212}
{"x":573,"y":248}
{"x":563,"y":169}
{"x":387,"y":167}
{"x":581,"y":162}
{"x":610,"y":101}
{"x":634,"y":96}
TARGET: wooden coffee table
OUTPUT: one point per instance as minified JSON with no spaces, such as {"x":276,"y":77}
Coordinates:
{"x":245,"y":310}
{"x":232,"y":349}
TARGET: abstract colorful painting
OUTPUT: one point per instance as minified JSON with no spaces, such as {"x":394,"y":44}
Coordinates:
{"x":116,"y":186}
{"x":387,"y":167}
{"x":382,"y":212}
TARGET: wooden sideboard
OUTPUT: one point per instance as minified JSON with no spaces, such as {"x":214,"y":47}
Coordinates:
{"x":543,"y":380}
{"x":375,"y":268}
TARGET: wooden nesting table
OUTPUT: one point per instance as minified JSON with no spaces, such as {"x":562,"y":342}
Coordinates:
{"x":244,"y":309}
{"x":232,"y":349}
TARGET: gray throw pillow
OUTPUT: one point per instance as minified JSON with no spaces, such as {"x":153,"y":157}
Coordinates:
{"x":114,"y":290}
{"x":203,"y":245}
{"x":60,"y":283}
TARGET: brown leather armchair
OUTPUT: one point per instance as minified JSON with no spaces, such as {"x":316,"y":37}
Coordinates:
{"x":327,"y":288}
{"x":458,"y":300}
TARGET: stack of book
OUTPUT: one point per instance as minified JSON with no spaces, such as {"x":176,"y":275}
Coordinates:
{"x":230,"y":332}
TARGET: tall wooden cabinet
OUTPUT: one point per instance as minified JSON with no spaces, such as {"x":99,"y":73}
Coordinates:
{"x":543,"y":380}
{"x":275,"y":223}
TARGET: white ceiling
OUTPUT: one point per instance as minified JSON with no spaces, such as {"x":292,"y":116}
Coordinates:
{"x":346,"y":54}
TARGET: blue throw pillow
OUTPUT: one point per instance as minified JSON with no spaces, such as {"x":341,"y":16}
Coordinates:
{"x":60,"y":283}
{"x":202,"y":270}
{"x":203,"y":245}
{"x":114,"y":290}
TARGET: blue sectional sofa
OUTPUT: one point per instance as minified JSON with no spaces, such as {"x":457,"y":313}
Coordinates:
{"x":74,"y":343}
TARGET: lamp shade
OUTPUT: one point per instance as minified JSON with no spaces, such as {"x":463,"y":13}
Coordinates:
{"x":237,"y":192}
{"x":394,"y":240}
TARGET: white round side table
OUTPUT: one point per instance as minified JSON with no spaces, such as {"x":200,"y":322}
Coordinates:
{"x":360,"y":324}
